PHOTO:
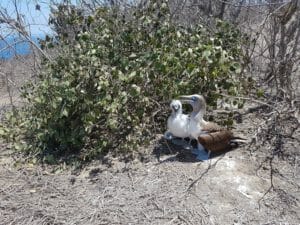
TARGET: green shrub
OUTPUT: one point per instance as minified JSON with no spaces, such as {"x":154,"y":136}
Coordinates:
{"x":107,"y":89}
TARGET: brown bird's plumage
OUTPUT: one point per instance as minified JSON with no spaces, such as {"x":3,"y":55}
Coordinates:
{"x":216,"y":141}
{"x":211,"y":136}
{"x":215,"y":138}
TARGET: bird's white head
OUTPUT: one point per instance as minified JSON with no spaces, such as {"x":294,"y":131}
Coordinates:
{"x":196,"y":101}
{"x":176,"y":106}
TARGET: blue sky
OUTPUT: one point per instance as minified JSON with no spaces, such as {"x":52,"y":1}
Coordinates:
{"x":37,"y":19}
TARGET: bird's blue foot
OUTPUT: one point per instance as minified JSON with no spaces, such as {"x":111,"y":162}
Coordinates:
{"x":168,"y":135}
{"x":200,"y":153}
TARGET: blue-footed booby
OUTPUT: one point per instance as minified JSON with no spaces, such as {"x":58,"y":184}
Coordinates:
{"x":178,"y":123}
{"x":210,"y":136}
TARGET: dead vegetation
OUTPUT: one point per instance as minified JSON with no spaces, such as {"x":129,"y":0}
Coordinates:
{"x":244,"y":186}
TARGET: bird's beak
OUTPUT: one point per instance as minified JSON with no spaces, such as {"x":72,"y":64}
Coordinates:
{"x":186,"y":98}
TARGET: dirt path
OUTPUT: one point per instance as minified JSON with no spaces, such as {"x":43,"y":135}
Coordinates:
{"x":229,"y":189}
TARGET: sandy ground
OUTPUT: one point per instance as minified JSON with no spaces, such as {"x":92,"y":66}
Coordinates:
{"x":233,"y":188}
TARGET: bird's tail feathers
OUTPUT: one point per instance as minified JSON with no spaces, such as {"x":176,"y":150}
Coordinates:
{"x":238,"y":140}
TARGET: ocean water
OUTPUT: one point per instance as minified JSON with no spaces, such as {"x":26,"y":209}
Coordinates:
{"x":19,"y":46}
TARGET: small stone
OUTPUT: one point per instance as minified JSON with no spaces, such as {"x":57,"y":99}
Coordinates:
{"x":72,"y":180}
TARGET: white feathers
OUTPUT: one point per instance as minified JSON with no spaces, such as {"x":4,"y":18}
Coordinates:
{"x":183,"y":126}
{"x":196,"y":117}
{"x":194,"y":128}
{"x":178,"y":123}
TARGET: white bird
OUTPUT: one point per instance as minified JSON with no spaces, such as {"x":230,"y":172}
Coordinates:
{"x":210,"y":136}
{"x":178,"y":123}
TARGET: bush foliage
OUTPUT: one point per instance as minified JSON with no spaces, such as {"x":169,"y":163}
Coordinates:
{"x":107,"y":89}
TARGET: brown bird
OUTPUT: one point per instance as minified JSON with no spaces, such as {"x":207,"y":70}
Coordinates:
{"x":210,"y":136}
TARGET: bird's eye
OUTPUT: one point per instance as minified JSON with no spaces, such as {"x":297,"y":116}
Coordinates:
{"x":194,"y":98}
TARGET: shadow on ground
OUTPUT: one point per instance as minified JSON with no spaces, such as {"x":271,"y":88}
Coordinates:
{"x":165,"y":151}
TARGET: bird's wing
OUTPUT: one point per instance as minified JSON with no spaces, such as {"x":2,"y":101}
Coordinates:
{"x":214,"y":137}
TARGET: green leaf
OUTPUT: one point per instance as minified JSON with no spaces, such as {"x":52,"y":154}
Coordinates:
{"x":2,"y":131}
{"x":38,"y":99}
{"x":18,"y":146}
{"x":132,"y":55}
{"x":132,"y":74}
{"x":206,"y":53}
{"x":237,"y":68}
{"x":65,"y":112}
{"x":260,"y":93}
